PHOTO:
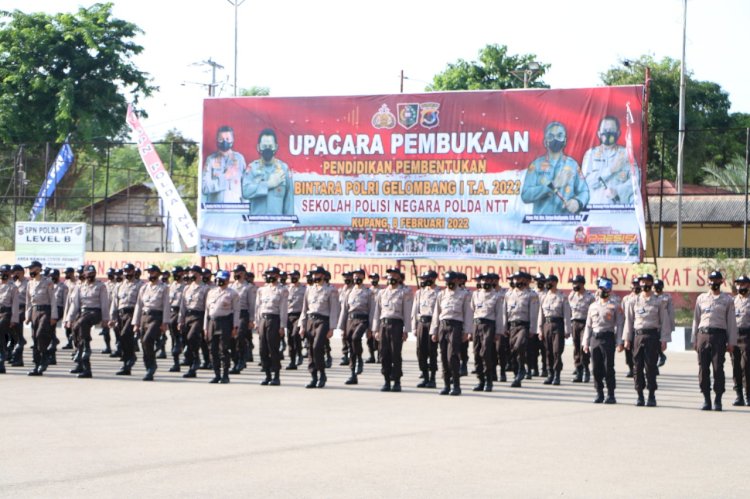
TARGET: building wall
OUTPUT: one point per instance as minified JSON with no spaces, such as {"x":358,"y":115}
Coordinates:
{"x":718,"y":236}
{"x":127,"y":238}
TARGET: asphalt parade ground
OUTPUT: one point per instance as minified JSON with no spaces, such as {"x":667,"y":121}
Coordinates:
{"x":114,"y":436}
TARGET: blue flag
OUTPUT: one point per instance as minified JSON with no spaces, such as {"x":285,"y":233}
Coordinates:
{"x":56,"y":171}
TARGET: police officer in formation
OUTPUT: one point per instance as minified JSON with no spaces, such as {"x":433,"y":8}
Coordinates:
{"x":522,"y":313}
{"x":296,"y":291}
{"x":191,"y":320}
{"x":121,"y":315}
{"x":372,"y":342}
{"x":247,"y":294}
{"x":392,"y":323}
{"x":659,"y":290}
{"x":714,"y":333}
{"x":320,"y":310}
{"x":488,"y":310}
{"x":580,"y":300}
{"x":635,"y":290}
{"x":41,"y":314}
{"x":9,"y":303}
{"x":176,"y":289}
{"x":421,"y":317}
{"x":356,"y":320}
{"x":151,"y":317}
{"x":741,"y":352}
{"x":89,"y":306}
{"x":272,"y":305}
{"x":553,"y":327}
{"x":221,"y":324}
{"x":602,"y":334}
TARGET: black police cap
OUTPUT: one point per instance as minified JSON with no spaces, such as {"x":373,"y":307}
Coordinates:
{"x":540,"y":277}
{"x":272,"y":270}
{"x":111,"y":271}
{"x":374,"y":275}
{"x":715,"y":275}
{"x":17,"y":268}
{"x":89,"y":268}
{"x":177,"y":269}
{"x":34,"y":264}
{"x":430,"y":274}
{"x":348,"y":273}
{"x":5,"y":268}
{"x":128,"y":266}
{"x":318,"y":270}
{"x":579,"y":279}
{"x":359,"y":271}
{"x":239,"y":268}
{"x":553,"y":278}
{"x":635,"y":281}
{"x":646,"y":277}
{"x":658,"y":283}
{"x":294,"y":272}
{"x":69,"y":270}
{"x":195,"y":268}
{"x":153,"y":268}
{"x":742,"y":280}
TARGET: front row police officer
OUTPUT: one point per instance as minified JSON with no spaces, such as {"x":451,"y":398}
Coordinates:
{"x":8,"y":312}
{"x":646,"y":334}
{"x":741,"y":353}
{"x":601,"y":334}
{"x":714,"y":332}
{"x":392,"y":323}
{"x":489,"y":316}
{"x":320,"y":308}
{"x":221,"y":324}
{"x":553,"y":323}
{"x":89,"y":306}
{"x":271,"y":315}
{"x":521,"y":314}
{"x":152,"y":317}
{"x":41,"y":313}
{"x":421,"y":320}
{"x":451,"y":325}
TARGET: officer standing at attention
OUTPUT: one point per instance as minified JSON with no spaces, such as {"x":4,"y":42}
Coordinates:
{"x":451,"y":326}
{"x":221,"y":323}
{"x":714,"y":332}
{"x":392,"y":323}
{"x":580,"y":301}
{"x":192,"y":317}
{"x":320,"y":308}
{"x":488,"y":309}
{"x":659,"y":290}
{"x":646,"y":333}
{"x":8,"y":312}
{"x":554,"y":327}
{"x":152,"y":317}
{"x":522,"y":313}
{"x":421,"y":320}
{"x":17,"y":339}
{"x":601,"y":335}
{"x":41,"y":313}
{"x":89,"y":306}
{"x":296,"y":296}
{"x":121,"y":310}
{"x":356,"y":320}
{"x":372,"y":343}
{"x":535,"y":346}
{"x":105,"y":333}
{"x":175,"y":299}
{"x":242,"y":342}
{"x":741,"y":353}
{"x":635,"y":290}
{"x":348,"y":285}
{"x":271,"y":316}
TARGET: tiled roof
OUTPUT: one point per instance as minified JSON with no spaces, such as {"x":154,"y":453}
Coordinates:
{"x":699,"y":209}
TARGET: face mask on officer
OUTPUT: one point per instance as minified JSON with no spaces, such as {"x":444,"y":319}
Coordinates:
{"x":603,"y":293}
{"x":317,"y":278}
{"x":541,"y":285}
{"x":220,"y":282}
{"x":129,"y":276}
{"x":743,"y":291}
{"x":637,"y":289}
{"x":393,"y":281}
{"x":549,"y":286}
{"x":608,"y":138}
{"x":5,"y":277}
{"x":348,"y":281}
{"x":374,"y":282}
{"x":426,"y":283}
{"x":153,"y":277}
{"x":91,"y":277}
{"x":646,"y":287}
{"x":487,"y":286}
{"x":33,"y":273}
{"x":576,"y":287}
{"x":554,"y":138}
{"x":295,"y":279}
{"x":512,"y":284}
{"x":207,"y":279}
{"x":715,"y":285}
{"x":358,"y":281}
{"x":270,"y":278}
{"x":451,"y":284}
{"x":237,"y":277}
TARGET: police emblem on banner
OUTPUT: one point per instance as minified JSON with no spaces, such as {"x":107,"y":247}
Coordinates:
{"x":429,"y":114}
{"x":408,"y":115}
{"x":384,"y":118}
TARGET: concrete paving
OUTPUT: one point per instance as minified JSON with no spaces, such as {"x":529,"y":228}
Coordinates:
{"x":120,"y":437}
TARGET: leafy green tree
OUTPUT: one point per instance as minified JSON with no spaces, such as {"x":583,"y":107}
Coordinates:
{"x":731,"y":176}
{"x":707,"y":117}
{"x":255,"y":91}
{"x":66,"y":73}
{"x":493,"y":70}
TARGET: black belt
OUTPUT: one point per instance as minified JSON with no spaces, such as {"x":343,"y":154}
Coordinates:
{"x":425,"y":319}
{"x":484,"y":321}
{"x":294,"y":314}
{"x":5,"y":310}
{"x":270,"y":316}
{"x":557,"y":320}
{"x":582,"y":321}
{"x":451,"y":323}
{"x":743,"y":330}
{"x":90,"y":309}
{"x":519,"y":323}
{"x":22,"y":306}
{"x":175,"y":309}
{"x":647,"y":332}
{"x":194,"y":312}
{"x":359,"y":317}
{"x":153,"y":313}
{"x":603,"y":334}
{"x":42,"y":307}
{"x":222,"y":318}
{"x":318,"y":317}
{"x":126,"y":310}
{"x":244,"y":314}
{"x":389,"y":320}
{"x":712,"y":330}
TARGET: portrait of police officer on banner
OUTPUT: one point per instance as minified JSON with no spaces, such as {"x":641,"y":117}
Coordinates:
{"x":222,"y":170}
{"x":267,"y":181}
{"x":553,"y":183}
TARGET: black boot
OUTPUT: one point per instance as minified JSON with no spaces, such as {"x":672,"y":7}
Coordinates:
{"x":586,"y":374}
{"x":578,"y":378}
{"x":275,"y":381}
{"x":86,"y":370}
{"x":360,"y":365}
{"x":217,"y":375}
{"x":610,"y":397}
{"x":313,"y":381}
{"x":740,"y":400}
{"x":396,"y":385}
{"x":640,"y":402}
{"x":519,"y":376}
{"x":550,"y":378}
{"x":447,"y":387}
{"x":706,"y":402}
{"x":479,"y":387}
{"x":488,"y":385}
{"x":322,"y":380}
{"x":370,"y":359}
{"x":344,"y":360}
{"x":292,"y":365}
{"x":464,"y":368}
{"x":456,"y":387}
{"x":425,"y":380}
{"x":352,"y":379}
{"x":77,"y":369}
{"x":431,"y":382}
{"x":37,"y":371}
{"x":651,"y":402}
{"x":124,"y":370}
{"x":630,"y":373}
{"x":387,"y":385}
{"x":225,"y":376}
{"x":329,"y":361}
{"x":504,"y":377}
{"x":268,"y":378}
{"x":717,"y":402}
{"x":545,"y":373}
{"x":176,"y":366}
{"x":2,"y":367}
{"x":52,"y":358}
{"x":150,"y":370}
{"x":599,"y":396}
{"x":556,"y":380}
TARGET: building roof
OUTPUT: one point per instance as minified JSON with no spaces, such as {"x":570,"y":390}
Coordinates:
{"x":726,"y":208}
{"x":653,"y":188}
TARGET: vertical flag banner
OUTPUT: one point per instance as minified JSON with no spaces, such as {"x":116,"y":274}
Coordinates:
{"x":170,"y":197}
{"x":56,"y":172}
{"x":532,"y":174}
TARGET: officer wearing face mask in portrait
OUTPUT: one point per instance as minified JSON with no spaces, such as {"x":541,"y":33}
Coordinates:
{"x":741,"y":353}
{"x":89,"y":306}
{"x":635,"y":290}
{"x":8,"y":312}
{"x":602,"y":333}
{"x":421,"y":321}
{"x":41,"y":313}
{"x":714,"y":332}
{"x":646,"y":333}
{"x":606,"y":167}
{"x":222,"y":170}
{"x":152,"y":317}
{"x":553,"y":182}
{"x":267,"y":182}
{"x":522,"y":313}
{"x":221,"y":323}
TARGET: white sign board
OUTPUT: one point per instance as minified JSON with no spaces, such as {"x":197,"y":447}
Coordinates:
{"x":54,"y":244}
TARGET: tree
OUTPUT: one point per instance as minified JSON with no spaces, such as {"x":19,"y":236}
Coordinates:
{"x":707,"y":117}
{"x":731,"y":176}
{"x":67,"y":74}
{"x":493,"y":70}
{"x":255,"y":91}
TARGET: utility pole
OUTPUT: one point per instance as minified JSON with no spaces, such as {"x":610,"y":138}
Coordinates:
{"x":681,"y":131}
{"x":211,"y":86}
{"x":236,"y":4}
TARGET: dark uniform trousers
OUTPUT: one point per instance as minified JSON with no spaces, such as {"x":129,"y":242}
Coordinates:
{"x":391,"y":342}
{"x":5,"y":319}
{"x":127,"y":338}
{"x":193,"y":336}
{"x":240,"y":344}
{"x":87,"y":319}
{"x":356,"y":328}
{"x":293,"y":339}
{"x":372,"y":345}
{"x":519,"y":336}
{"x":533,"y":347}
{"x":270,"y":339}
{"x":17,"y":340}
{"x":580,"y":358}
{"x":450,"y":339}
{"x":554,"y":341}
{"x":602,"y":353}
{"x":220,"y":332}
{"x":54,"y":341}
{"x":646,"y":348}
{"x":712,"y":346}
{"x":741,"y":360}
{"x":176,"y":335}
{"x":317,"y":330}
{"x":150,"y":333}
{"x":502,"y":345}
{"x":484,"y":347}
{"x":426,"y":348}
{"x":41,"y":331}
